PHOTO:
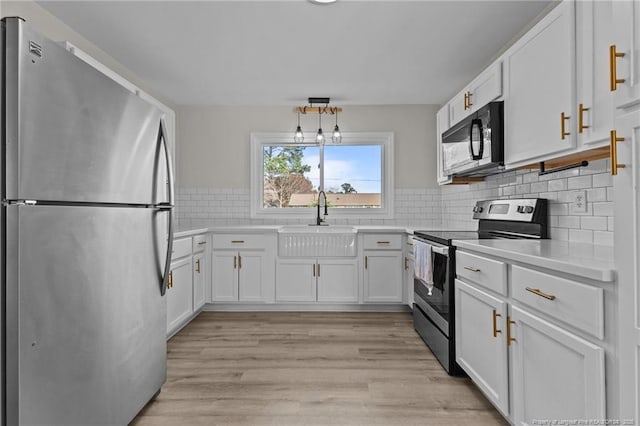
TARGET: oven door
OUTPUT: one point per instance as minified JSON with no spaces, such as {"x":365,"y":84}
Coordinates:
{"x":434,"y":299}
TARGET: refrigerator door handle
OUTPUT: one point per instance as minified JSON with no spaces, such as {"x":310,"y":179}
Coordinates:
{"x":167,"y":206}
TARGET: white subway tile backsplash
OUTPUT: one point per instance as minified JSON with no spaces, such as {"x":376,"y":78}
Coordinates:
{"x":447,"y":207}
{"x":580,"y":182}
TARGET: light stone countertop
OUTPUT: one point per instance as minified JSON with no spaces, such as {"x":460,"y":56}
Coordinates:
{"x":182,"y":232}
{"x":585,"y":260}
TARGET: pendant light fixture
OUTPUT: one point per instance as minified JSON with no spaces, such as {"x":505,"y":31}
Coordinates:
{"x":320,"y":135}
{"x":299,"y":136}
{"x":336,"y":136}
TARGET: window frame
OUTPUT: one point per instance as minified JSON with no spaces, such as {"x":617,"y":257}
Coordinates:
{"x":260,"y":139}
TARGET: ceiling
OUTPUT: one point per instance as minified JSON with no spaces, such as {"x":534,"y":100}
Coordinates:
{"x":281,"y":52}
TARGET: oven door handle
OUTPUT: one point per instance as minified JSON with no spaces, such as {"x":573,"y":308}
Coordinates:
{"x":440,"y":250}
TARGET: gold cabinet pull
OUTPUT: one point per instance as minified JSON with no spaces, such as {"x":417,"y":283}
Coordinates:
{"x":239,"y":261}
{"x":613,"y":153}
{"x":198,"y":265}
{"x":202,"y":243}
{"x":366,"y":262}
{"x":469,"y":104}
{"x":613,"y":72}
{"x":563,"y":132}
{"x":509,"y":337}
{"x":466,"y":99}
{"x":581,"y":125}
{"x":170,"y":280}
{"x":235,"y":262}
{"x":318,"y":269}
{"x":496,"y":315}
{"x":406,"y":263}
{"x":540,"y":293}
{"x":471,"y":268}
{"x":314,"y":269}
{"x":237,"y":241}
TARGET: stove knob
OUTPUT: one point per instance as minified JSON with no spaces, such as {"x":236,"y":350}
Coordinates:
{"x":520,"y":209}
{"x":528,"y":209}
{"x":477,"y":209}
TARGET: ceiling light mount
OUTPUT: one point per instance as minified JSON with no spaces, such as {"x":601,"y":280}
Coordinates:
{"x":336,"y":136}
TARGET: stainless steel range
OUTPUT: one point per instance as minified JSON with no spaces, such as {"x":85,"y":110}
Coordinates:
{"x":433,"y":310}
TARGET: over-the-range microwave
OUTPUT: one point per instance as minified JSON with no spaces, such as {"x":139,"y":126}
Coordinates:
{"x":475,"y":146}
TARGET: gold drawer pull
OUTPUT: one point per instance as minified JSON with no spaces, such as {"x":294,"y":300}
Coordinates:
{"x":202,"y":242}
{"x":237,"y":241}
{"x":613,"y":153}
{"x":383,"y":242}
{"x":496,"y":315}
{"x":581,"y":125}
{"x":509,"y":338}
{"x":613,"y":77}
{"x":563,"y":132}
{"x":472,"y":269}
{"x":540,"y":293}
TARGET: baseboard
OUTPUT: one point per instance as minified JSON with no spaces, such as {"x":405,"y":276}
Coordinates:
{"x":300,"y":307}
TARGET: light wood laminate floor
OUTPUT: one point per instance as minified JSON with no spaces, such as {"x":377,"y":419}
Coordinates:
{"x":310,"y":369}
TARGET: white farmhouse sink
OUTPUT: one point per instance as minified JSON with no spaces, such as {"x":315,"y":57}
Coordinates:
{"x":313,"y":229}
{"x":316,"y":241}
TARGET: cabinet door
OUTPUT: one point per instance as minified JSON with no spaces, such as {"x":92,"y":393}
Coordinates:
{"x":442,"y":125}
{"x":627,"y":244}
{"x":626,"y":18}
{"x":556,"y":375}
{"x":457,"y":107}
{"x":486,"y":87}
{"x":539,"y":79}
{"x":296,"y":280}
{"x":595,"y":35}
{"x":481,"y":347}
{"x":383,"y":276}
{"x":180,"y":294}
{"x":224,"y":276}
{"x":250,"y":269}
{"x":199,"y":279}
{"x":337,"y":280}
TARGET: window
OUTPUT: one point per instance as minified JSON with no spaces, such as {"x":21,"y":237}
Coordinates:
{"x":356,"y":175}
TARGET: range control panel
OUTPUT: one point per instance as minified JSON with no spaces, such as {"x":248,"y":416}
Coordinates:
{"x":521,"y":210}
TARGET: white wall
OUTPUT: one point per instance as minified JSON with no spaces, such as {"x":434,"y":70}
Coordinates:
{"x":47,"y":24}
{"x":213,"y":141}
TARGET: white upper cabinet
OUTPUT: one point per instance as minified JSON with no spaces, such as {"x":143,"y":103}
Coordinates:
{"x":442,"y":124}
{"x":625,"y":54}
{"x":539,"y":84}
{"x":594,"y":109}
{"x":482,"y":90}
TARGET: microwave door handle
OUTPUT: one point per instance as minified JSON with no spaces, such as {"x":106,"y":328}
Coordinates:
{"x":476,"y":122}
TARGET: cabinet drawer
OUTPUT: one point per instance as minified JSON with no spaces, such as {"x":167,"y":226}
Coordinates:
{"x":577,"y":304}
{"x":199,"y":243}
{"x":383,"y":241}
{"x":238,"y":241}
{"x":488,"y":273}
{"x":181,"y":248}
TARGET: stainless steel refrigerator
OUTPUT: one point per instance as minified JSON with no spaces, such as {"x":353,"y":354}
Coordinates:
{"x":87,"y":194}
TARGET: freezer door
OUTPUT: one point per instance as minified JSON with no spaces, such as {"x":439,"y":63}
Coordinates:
{"x":86,"y":322}
{"x":72,"y":133}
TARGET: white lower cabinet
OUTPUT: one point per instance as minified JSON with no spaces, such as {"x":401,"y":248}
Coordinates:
{"x":481,"y":348}
{"x":179,"y":293}
{"x":199,"y":280}
{"x":237,"y":276}
{"x":556,"y":374}
{"x":532,"y":354}
{"x":383,"y":276}
{"x":322,"y":280}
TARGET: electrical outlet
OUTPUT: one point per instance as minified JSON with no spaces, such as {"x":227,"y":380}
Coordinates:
{"x":579,"y":204}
